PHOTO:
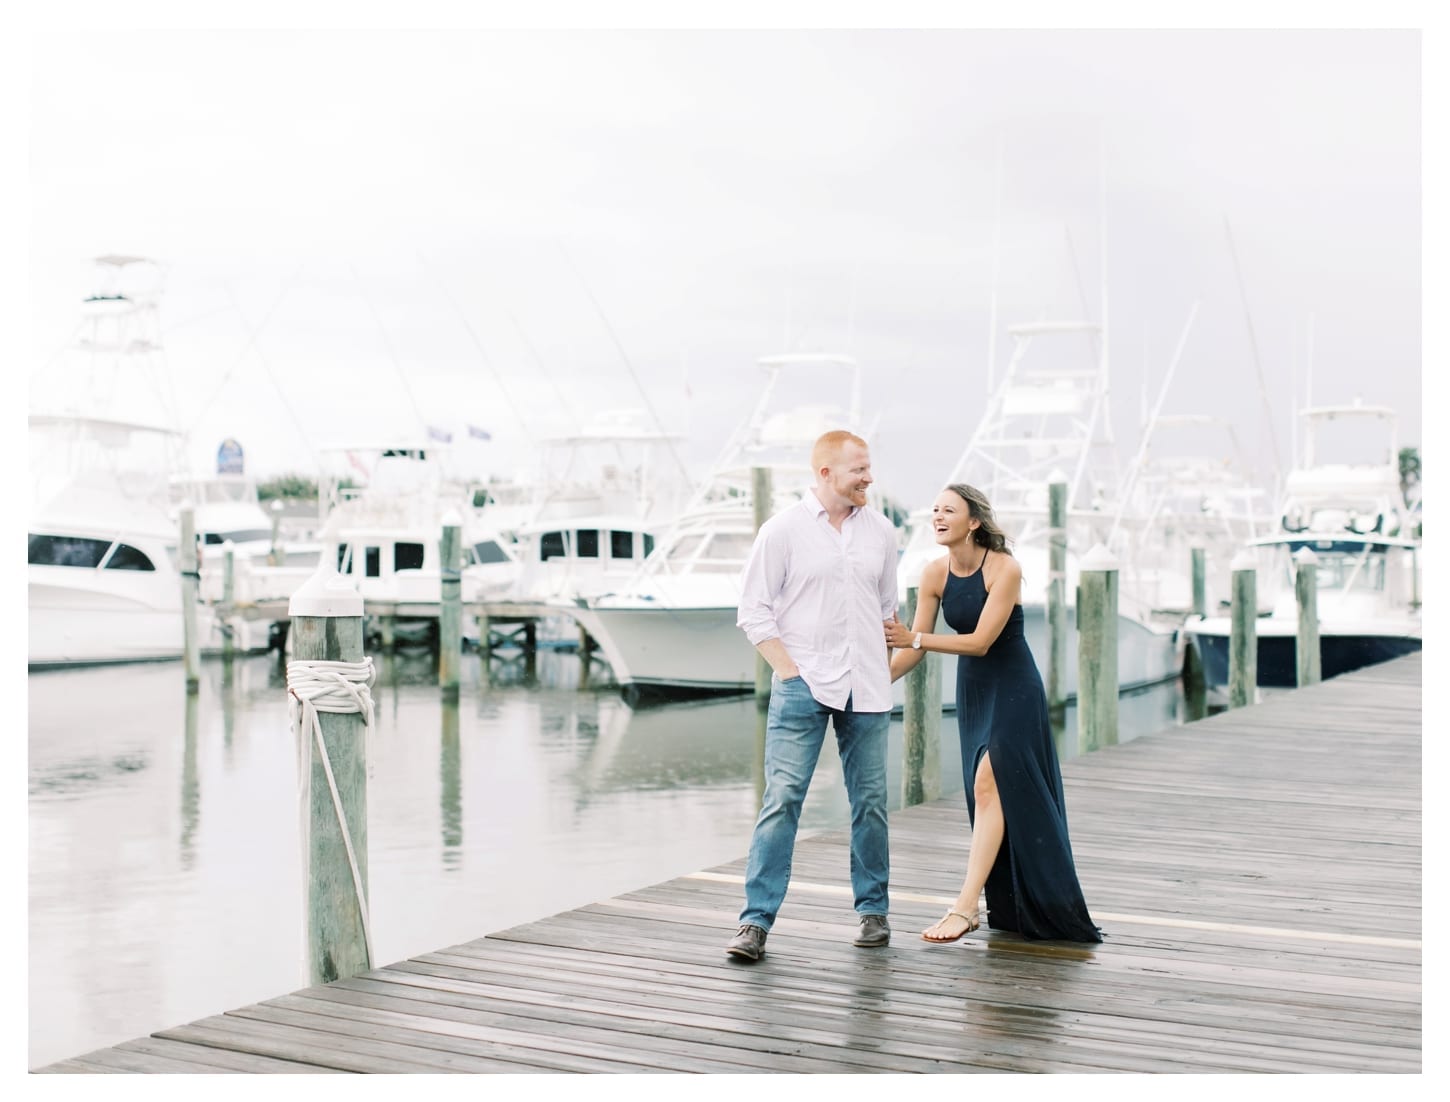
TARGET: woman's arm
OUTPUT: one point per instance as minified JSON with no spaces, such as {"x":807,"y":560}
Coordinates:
{"x":1004,"y":593}
{"x":928,"y":602}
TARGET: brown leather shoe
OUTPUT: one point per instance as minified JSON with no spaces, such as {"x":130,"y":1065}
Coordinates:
{"x":749,"y":943}
{"x":874,"y":932}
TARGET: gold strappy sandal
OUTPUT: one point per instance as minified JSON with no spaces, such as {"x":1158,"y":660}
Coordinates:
{"x":974,"y":922}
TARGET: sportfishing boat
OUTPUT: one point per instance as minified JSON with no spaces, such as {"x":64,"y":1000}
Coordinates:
{"x":671,"y":628}
{"x":102,"y":573}
{"x":1189,"y":487}
{"x":601,"y":497}
{"x":384,"y":535}
{"x":1351,"y":516}
{"x":1049,"y":422}
{"x":103,"y":578}
{"x":228,"y":515}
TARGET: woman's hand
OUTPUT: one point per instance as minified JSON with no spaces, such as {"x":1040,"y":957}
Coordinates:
{"x":897,"y":633}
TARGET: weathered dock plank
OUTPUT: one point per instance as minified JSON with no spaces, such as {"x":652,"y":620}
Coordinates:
{"x":1258,"y":876}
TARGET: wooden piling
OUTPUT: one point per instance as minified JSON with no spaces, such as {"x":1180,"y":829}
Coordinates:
{"x":274,"y":552}
{"x":225,"y":618}
{"x":1200,"y":581}
{"x":586,"y":657}
{"x":1195,"y":684}
{"x":1243,"y":646}
{"x":450,"y":608}
{"x":921,"y":724}
{"x":1306,"y":596}
{"x":450,"y":787}
{"x":190,"y":583}
{"x":1097,"y":650}
{"x":1056,"y":681}
{"x":327,"y":626}
{"x":760,"y":496}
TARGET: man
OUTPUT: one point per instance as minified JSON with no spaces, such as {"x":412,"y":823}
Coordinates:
{"x":819,"y":585}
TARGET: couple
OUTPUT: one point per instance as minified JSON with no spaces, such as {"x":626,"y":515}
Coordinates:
{"x":819,"y":588}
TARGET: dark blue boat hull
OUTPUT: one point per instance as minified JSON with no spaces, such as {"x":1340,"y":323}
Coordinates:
{"x":1277,"y":667}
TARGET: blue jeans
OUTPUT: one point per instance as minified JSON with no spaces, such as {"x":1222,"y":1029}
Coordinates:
{"x":795,"y":730}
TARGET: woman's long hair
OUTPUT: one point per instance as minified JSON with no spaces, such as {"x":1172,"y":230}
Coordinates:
{"x":988,"y":535}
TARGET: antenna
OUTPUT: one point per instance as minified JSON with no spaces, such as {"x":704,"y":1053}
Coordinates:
{"x":1254,"y":345}
{"x":1293,"y":394}
{"x":1103,"y":255}
{"x":477,"y":344}
{"x":1309,"y":365}
{"x":388,"y":344}
{"x":1142,"y":455}
{"x":996,"y":255}
{"x":654,"y":416}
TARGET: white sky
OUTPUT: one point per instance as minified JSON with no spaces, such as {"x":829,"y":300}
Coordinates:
{"x":333,"y":193}
{"x":337,"y":208}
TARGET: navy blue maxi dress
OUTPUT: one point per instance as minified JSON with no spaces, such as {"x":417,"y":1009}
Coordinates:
{"x":1002,"y":710}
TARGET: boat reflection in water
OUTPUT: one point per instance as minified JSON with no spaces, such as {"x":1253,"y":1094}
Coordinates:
{"x":164,"y":853}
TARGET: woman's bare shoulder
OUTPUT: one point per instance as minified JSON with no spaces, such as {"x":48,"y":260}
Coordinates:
{"x":1001,"y":568}
{"x":934,"y":575}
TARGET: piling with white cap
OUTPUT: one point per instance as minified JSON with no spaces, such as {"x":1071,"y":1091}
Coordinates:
{"x":274,"y":551}
{"x":1200,"y":581}
{"x":1056,"y":680}
{"x":450,"y":607}
{"x":1097,"y":650}
{"x":225,"y":615}
{"x":328,"y":683}
{"x":761,"y":491}
{"x":1243,"y":643}
{"x":921,"y":723}
{"x":190,"y":584}
{"x":1306,"y":597}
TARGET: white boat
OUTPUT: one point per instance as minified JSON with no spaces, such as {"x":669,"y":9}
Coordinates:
{"x":1044,"y":424}
{"x":601,"y":498}
{"x":228,"y":515}
{"x":1190,"y":487}
{"x":384,"y":535}
{"x":102,"y":566}
{"x":672,"y":627}
{"x":1351,"y":516}
{"x":102,"y":574}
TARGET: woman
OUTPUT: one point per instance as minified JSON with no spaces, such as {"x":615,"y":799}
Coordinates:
{"x":1020,"y":852}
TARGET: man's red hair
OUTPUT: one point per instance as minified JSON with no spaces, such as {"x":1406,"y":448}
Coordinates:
{"x":828,"y":448}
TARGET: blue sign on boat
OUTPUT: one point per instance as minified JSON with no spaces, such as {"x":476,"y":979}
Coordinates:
{"x":229,"y":457}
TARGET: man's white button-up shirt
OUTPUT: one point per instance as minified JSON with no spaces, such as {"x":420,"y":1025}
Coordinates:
{"x":825,"y":594}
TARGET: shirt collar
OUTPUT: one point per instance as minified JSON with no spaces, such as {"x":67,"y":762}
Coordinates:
{"x":812,"y":504}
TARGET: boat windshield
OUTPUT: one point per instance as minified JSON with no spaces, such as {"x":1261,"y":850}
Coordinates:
{"x":240,"y":535}
{"x":86,"y":553}
{"x":1341,"y":563}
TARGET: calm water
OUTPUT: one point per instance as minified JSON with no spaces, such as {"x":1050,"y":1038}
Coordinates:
{"x":165,"y":860}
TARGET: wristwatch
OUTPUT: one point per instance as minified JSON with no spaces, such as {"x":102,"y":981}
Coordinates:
{"x":916,"y":643}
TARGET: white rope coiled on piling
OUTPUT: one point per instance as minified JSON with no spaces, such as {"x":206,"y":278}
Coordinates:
{"x":339,"y":688}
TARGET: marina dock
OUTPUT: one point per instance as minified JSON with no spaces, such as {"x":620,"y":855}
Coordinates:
{"x":1257,"y":874}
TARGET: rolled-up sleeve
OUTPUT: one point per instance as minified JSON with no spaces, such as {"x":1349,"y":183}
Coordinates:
{"x":761,"y":585}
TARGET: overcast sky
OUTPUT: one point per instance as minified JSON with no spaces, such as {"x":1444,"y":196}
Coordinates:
{"x":366,"y":232}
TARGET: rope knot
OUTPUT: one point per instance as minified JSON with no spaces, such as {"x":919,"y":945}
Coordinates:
{"x":338,"y":688}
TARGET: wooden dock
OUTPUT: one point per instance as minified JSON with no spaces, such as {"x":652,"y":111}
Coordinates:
{"x":1258,"y":876}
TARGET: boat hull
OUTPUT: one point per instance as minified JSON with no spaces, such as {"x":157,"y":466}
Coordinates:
{"x":1277,"y":653}
{"x":70,"y":624}
{"x":659,"y":649}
